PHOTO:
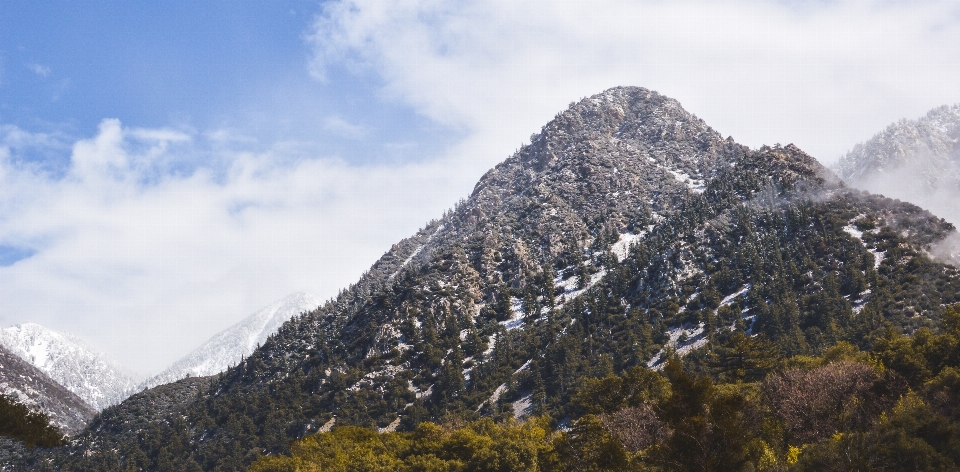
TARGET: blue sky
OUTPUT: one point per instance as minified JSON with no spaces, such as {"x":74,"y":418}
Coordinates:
{"x":241,"y":65}
{"x":167,"y":168}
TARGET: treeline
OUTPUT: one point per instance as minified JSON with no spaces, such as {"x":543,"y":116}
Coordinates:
{"x":894,"y":407}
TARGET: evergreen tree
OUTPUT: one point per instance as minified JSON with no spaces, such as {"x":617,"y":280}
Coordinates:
{"x":33,"y":428}
{"x":745,"y":358}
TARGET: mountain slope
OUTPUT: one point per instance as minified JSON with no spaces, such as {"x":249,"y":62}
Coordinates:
{"x":228,"y":347}
{"x":914,"y":160}
{"x":627,"y":229}
{"x":28,"y":385}
{"x":67,"y":360}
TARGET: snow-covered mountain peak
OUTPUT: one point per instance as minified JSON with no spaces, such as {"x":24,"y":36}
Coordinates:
{"x":231,"y":345}
{"x":67,"y":360}
{"x":912,"y":160}
{"x":24,"y":383}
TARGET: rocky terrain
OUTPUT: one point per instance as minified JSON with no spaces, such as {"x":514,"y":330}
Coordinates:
{"x":627,"y":232}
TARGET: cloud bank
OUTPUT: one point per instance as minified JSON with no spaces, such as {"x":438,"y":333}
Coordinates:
{"x":822,"y":75}
{"x":147,"y":257}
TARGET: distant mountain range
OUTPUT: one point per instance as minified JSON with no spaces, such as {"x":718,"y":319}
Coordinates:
{"x":62,"y":363}
{"x":230,"y":346}
{"x":71,"y":363}
{"x":28,"y":385}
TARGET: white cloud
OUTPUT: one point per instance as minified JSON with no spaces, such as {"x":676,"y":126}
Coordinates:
{"x":151,"y":240}
{"x":147,"y":267}
{"x":344,"y":128}
{"x":39,"y":69}
{"x":823,"y":75}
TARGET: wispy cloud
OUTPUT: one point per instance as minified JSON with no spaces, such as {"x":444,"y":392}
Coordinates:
{"x":344,"y":128}
{"x":149,"y":265}
{"x":39,"y":69}
{"x":823,"y":75}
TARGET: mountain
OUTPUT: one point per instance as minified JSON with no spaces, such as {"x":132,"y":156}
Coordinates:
{"x":231,"y":345}
{"x":627,"y":231}
{"x":29,"y":386}
{"x":913,"y":160}
{"x":67,"y":360}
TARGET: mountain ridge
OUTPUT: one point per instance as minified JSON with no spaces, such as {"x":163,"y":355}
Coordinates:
{"x":626,"y":229}
{"x":229,"y":346}
{"x":30,"y":386}
{"x":81,"y":369}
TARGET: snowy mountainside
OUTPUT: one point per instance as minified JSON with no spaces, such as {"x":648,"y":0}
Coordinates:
{"x":912,"y":160}
{"x":81,"y":369}
{"x":625,"y":219}
{"x":626,"y":229}
{"x":229,"y":346}
{"x":28,"y":385}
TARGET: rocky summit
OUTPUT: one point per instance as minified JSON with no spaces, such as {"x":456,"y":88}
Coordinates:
{"x":626,"y":233}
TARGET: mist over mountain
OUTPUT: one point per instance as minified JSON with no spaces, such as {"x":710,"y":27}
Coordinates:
{"x":228,"y":347}
{"x":79,"y":368}
{"x":627,"y":232}
{"x":917,"y":161}
{"x":913,"y":160}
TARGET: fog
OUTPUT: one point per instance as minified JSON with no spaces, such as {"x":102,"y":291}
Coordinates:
{"x":918,"y":162}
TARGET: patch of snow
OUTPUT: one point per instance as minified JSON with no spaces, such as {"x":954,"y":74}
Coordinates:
{"x":862,"y":301}
{"x":387,"y":371}
{"x":878,"y":256}
{"x":491,"y":342}
{"x":694,"y":338}
{"x":568,"y":288}
{"x":730,"y":298}
{"x":516,"y":315}
{"x":328,"y":425}
{"x":417,"y":392}
{"x":390,"y":427}
{"x":414,"y":253}
{"x":495,"y":397}
{"x":621,"y":248}
{"x":426,"y":393}
{"x":695,"y":185}
{"x":853,"y":231}
{"x":523,"y":407}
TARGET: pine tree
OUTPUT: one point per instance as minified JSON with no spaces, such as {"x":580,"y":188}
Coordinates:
{"x":745,"y":358}
{"x":31,"y":427}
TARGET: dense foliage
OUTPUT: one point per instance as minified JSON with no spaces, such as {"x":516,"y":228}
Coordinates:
{"x":894,"y":408}
{"x":30,"y":427}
